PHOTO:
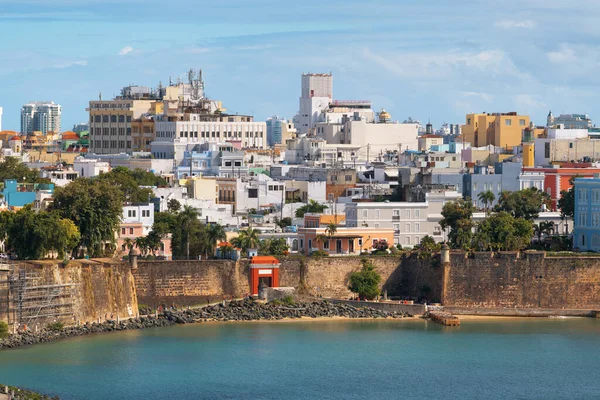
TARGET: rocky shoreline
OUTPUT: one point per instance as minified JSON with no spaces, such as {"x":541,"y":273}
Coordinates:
{"x":243,"y":310}
{"x":17,"y":393}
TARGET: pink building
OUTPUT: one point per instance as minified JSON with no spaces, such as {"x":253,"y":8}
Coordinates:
{"x":137,"y":222}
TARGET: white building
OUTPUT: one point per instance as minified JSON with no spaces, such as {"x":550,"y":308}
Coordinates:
{"x":90,"y":167}
{"x":139,"y":213}
{"x":317,"y":93}
{"x":410,"y":221}
{"x":372,"y":138}
{"x":41,"y":116}
{"x":0,"y":119}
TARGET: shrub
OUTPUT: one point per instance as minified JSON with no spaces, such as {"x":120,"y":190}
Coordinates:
{"x":289,"y":300}
{"x":3,"y":330}
{"x":319,"y":253}
{"x":55,"y":326}
{"x":366,"y":281}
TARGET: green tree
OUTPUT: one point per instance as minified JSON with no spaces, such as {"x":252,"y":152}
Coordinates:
{"x":164,"y":222}
{"x":147,"y":178}
{"x":12,"y":168}
{"x":365,"y":282}
{"x":188,"y":218}
{"x":526,"y":203}
{"x":95,"y":206}
{"x":141,"y":243}
{"x":284,"y":222}
{"x":331,"y":229}
{"x":123,"y":179}
{"x":247,"y":239}
{"x":34,"y":235}
{"x":311,"y":207}
{"x":502,"y":231}
{"x":457,"y":215}
{"x":544,"y":227}
{"x":129,"y":243}
{"x":215,"y":234}
{"x":173,"y":206}
{"x":487,"y":198}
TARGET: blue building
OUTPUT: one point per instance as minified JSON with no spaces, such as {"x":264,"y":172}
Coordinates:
{"x":20,"y":194}
{"x":275,"y":130}
{"x":586,"y":232}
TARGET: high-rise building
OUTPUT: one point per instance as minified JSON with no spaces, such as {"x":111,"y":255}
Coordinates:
{"x":275,"y":127}
{"x":569,"y":121}
{"x":317,"y":93}
{"x":497,"y":129}
{"x":42,"y":116}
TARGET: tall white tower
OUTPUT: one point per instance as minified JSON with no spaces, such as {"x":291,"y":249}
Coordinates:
{"x":317,"y":92}
{"x":0,"y":118}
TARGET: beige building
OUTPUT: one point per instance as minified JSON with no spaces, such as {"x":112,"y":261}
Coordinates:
{"x":111,"y":124}
{"x":426,"y":141}
{"x":497,"y":129}
{"x":410,"y":221}
{"x":203,"y":188}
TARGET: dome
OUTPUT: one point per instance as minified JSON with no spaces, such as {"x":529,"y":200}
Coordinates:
{"x":384,"y":116}
{"x":15,"y":138}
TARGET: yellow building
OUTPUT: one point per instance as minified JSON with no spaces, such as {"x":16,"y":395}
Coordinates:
{"x":498,"y":129}
{"x":203,"y":188}
{"x":142,"y":133}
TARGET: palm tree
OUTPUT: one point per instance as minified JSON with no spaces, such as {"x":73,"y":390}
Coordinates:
{"x":216,"y":234}
{"x":487,"y":198}
{"x":188,"y":216}
{"x":248,"y":239}
{"x":128,"y":243}
{"x":142,"y":244}
{"x":544,"y":227}
{"x":331,"y":229}
{"x":321,"y":238}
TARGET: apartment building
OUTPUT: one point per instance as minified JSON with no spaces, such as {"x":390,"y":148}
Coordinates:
{"x":410,"y":222}
{"x":497,"y":129}
{"x":41,"y":116}
{"x":137,"y":221}
{"x":586,"y":234}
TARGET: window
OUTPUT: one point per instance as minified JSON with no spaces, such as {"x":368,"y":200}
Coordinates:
{"x":123,"y":231}
{"x":407,"y":214}
{"x":113,"y":118}
{"x":97,"y":118}
{"x":105,"y":118}
{"x":547,"y":150}
{"x":417,"y":240}
{"x":365,"y":213}
{"x":396,"y":213}
{"x":507,"y":122}
{"x":121,"y":118}
{"x":131,"y":213}
{"x":417,"y":228}
{"x":377,"y":214}
{"x":396,"y":228}
{"x":417,"y":214}
{"x":309,"y":243}
{"x":408,"y":240}
{"x":131,"y":231}
{"x":360,"y":242}
{"x":407,"y":228}
{"x":348,"y":178}
{"x":253,"y":194}
{"x":571,"y":145}
{"x":377,"y":225}
{"x":326,"y":245}
{"x":522,"y":122}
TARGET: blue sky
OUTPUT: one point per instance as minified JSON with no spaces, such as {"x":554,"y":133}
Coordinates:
{"x":437,"y":59}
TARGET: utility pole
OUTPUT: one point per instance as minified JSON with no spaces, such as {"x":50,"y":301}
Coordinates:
{"x":368,"y":151}
{"x":399,"y":151}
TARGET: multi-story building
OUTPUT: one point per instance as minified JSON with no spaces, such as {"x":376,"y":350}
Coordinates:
{"x":215,"y":159}
{"x":569,"y":121}
{"x":136,"y":222}
{"x":20,"y":194}
{"x":275,"y":128}
{"x":337,"y":179}
{"x":410,"y":222}
{"x":317,"y":93}
{"x":177,"y":134}
{"x":497,"y":129}
{"x":562,"y":144}
{"x":586,"y":234}
{"x":90,"y":167}
{"x":369,"y":136}
{"x":42,"y":116}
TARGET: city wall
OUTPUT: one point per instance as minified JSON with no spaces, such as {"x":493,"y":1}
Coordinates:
{"x":527,"y":280}
{"x":82,"y":290}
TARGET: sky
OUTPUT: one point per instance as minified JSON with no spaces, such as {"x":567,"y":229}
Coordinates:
{"x":436,"y":60}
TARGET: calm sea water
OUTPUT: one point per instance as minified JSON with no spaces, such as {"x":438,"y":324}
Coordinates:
{"x":499,"y":359}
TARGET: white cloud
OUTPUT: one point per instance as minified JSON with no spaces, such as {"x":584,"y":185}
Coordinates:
{"x":125,"y":50}
{"x":523,"y":24}
{"x":478,"y":95}
{"x":197,"y":50}
{"x":436,"y":66}
{"x":562,"y":55}
{"x":529,"y":102}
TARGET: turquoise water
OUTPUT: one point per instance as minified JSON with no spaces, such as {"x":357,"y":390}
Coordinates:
{"x":499,"y":359}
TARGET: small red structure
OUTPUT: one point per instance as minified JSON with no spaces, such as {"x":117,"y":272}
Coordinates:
{"x":263,"y":269}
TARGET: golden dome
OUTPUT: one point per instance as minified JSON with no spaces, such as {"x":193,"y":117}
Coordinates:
{"x":384,"y":116}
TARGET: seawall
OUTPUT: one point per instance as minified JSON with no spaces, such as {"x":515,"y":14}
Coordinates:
{"x":82,"y":290}
{"x":526,"y":280}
